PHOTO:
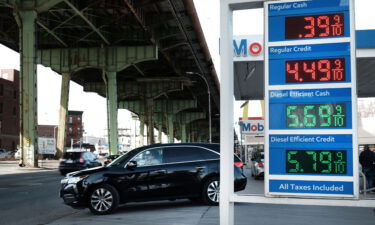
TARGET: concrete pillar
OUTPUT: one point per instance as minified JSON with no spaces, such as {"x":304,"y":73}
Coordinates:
{"x":183,"y":132}
{"x":141,"y":130}
{"x":28,"y":83}
{"x":150,"y":121}
{"x":64,"y":100}
{"x":170,"y":128}
{"x":160,"y":133}
{"x":112,"y":112}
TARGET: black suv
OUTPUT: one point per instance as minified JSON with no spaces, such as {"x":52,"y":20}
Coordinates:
{"x":77,"y":160}
{"x":155,"y":172}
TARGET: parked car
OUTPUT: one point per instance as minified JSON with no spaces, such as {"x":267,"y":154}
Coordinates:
{"x":4,"y":154}
{"x":77,"y":160}
{"x":257,"y":164}
{"x":155,"y":172}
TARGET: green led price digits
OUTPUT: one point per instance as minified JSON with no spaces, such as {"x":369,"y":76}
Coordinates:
{"x":316,"y":161}
{"x":316,"y":116}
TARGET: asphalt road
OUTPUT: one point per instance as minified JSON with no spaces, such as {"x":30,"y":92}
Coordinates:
{"x":32,"y":198}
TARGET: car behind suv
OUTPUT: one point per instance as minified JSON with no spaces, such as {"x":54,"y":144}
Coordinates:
{"x":155,"y":172}
{"x":77,"y":160}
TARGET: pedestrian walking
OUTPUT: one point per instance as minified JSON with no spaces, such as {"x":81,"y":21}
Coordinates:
{"x":367,"y":160}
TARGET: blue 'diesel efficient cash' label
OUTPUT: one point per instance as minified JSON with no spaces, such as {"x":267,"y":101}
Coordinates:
{"x":311,"y":187}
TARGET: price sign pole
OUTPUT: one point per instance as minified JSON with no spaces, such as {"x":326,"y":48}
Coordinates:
{"x":310,"y":93}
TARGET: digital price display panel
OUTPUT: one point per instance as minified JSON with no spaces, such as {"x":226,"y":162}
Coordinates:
{"x":314,"y":26}
{"x":308,"y":20}
{"x":316,"y":161}
{"x":315,"y":155}
{"x":316,"y":70}
{"x":311,"y":109}
{"x":299,"y":64}
{"x":316,"y":116}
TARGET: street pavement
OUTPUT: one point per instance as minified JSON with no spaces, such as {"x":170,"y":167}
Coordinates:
{"x":32,"y":198}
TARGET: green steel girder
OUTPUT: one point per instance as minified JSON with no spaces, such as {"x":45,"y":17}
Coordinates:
{"x":114,"y":58}
{"x":37,"y":5}
{"x":160,"y":106}
{"x":188,"y":117}
{"x":142,"y":90}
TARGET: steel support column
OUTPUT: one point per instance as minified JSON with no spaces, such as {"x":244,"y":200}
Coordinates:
{"x":141,"y":130}
{"x":28,"y":83}
{"x":64,"y":100}
{"x":160,"y":135}
{"x":112,"y":112}
{"x":150,"y":121}
{"x":170,"y":128}
{"x":183,"y":132}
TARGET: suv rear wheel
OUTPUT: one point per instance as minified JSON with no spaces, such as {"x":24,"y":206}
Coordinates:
{"x":104,"y":199}
{"x":211,"y":191}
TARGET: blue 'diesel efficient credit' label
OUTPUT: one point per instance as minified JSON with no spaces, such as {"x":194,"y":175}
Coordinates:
{"x":311,"y":187}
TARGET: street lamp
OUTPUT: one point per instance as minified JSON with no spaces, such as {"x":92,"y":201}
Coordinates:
{"x":209,"y":103}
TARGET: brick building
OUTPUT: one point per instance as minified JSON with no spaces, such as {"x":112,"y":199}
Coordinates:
{"x":9,"y":109}
{"x":74,"y":128}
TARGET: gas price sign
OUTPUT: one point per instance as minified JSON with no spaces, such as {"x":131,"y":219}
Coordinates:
{"x":310,"y":95}
{"x":316,"y":115}
{"x":315,"y":70}
{"x":313,"y":26}
{"x":316,"y":161}
{"x":299,"y":64}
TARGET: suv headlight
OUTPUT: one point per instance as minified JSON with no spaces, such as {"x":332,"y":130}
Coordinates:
{"x":74,"y":180}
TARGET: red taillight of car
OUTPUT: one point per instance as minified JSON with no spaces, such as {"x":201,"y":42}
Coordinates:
{"x":81,"y":160}
{"x":260,"y":164}
{"x":238,"y":164}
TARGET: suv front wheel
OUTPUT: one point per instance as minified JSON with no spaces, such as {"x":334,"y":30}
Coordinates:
{"x":211,"y":191}
{"x":104,"y":199}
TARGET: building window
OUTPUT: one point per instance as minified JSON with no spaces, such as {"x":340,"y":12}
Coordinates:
{"x":79,"y":130}
{"x":70,"y":119}
{"x":14,"y":111}
{"x":79,"y":119}
{"x":15,"y":94}
{"x":70,"y":130}
{"x":1,"y":89}
{"x":1,"y":107}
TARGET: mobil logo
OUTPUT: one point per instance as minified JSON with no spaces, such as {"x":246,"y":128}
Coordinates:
{"x":252,"y":126}
{"x":244,"y":47}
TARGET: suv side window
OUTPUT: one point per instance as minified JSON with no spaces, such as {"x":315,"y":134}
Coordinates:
{"x":207,"y":154}
{"x":150,"y":157}
{"x":184,"y":154}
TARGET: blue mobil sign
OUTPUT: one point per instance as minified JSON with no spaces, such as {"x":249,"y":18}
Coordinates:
{"x":311,"y":137}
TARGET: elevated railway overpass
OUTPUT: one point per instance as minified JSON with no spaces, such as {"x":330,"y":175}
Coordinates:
{"x":136,"y":53}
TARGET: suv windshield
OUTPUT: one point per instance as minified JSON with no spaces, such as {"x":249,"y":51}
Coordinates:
{"x":120,"y":160}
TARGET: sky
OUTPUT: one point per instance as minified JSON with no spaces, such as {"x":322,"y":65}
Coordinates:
{"x":245,"y":22}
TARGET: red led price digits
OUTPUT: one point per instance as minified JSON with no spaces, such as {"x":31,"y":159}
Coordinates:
{"x":321,"y":70}
{"x":330,"y":25}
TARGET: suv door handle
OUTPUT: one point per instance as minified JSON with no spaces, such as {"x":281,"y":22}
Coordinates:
{"x":200,"y":168}
{"x":158,"y":172}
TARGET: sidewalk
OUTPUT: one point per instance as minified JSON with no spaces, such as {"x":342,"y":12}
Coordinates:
{"x":12,"y":167}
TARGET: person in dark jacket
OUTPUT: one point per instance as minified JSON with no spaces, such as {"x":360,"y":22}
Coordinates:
{"x":367,"y":160}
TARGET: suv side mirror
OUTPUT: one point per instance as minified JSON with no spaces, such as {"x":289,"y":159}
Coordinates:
{"x":131,"y":165}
